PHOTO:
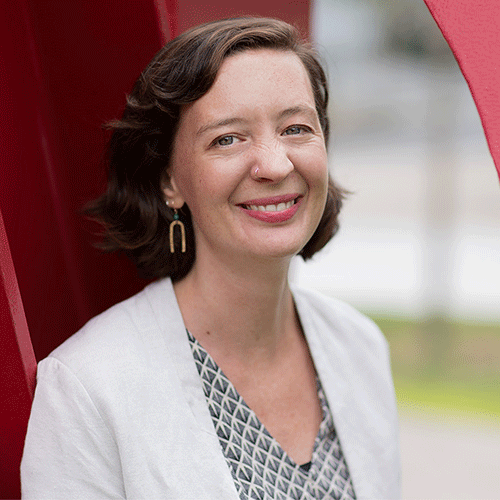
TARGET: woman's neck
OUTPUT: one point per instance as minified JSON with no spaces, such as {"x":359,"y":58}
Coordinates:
{"x":243,"y":312}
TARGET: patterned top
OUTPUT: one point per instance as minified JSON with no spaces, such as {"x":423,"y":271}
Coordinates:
{"x":260,"y":468}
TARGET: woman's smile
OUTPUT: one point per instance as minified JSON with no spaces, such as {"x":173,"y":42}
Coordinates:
{"x":274,"y":209}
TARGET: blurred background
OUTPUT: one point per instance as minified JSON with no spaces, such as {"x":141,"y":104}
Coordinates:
{"x":419,"y":244}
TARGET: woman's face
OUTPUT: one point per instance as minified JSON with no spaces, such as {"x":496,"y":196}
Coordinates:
{"x":249,"y":159}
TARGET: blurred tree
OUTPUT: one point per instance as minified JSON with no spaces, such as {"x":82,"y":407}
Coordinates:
{"x":410,"y":31}
{"x":412,"y":34}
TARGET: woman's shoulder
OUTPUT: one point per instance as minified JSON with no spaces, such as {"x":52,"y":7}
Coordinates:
{"x":337,"y":318}
{"x":119,"y":336}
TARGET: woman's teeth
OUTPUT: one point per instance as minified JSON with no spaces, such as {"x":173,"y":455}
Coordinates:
{"x":271,"y":208}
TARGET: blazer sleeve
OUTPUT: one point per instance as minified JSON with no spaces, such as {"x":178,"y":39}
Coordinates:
{"x":69,"y":452}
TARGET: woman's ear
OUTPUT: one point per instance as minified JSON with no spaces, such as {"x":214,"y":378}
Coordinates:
{"x":171,"y":191}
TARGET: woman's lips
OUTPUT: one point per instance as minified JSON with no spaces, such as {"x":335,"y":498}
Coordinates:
{"x":273,"y":209}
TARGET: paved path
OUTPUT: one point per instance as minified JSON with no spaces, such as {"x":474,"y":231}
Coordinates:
{"x":449,"y":459}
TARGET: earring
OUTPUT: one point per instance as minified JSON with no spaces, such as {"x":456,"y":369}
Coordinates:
{"x":177,"y":222}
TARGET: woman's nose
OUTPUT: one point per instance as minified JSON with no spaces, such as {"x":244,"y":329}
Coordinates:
{"x":271,"y":164}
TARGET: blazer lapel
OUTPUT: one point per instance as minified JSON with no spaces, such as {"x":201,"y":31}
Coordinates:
{"x":360,"y":425}
{"x":163,"y":301}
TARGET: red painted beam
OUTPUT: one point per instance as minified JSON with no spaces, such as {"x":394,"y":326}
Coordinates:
{"x":67,"y":67}
{"x":472,"y":29}
{"x":17,"y":372}
{"x":193,"y":12}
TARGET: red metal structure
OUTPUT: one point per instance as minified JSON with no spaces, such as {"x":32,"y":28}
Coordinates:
{"x":472,"y":29}
{"x":64,"y":70}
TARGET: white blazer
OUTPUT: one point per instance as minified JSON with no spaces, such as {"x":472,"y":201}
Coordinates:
{"x":119,"y":409}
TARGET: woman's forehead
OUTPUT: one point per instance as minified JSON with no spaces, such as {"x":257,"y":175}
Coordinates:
{"x":254,"y":80}
{"x":249,"y":67}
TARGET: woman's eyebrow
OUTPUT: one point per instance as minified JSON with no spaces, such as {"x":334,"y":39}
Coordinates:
{"x":217,"y":124}
{"x":299,"y":109}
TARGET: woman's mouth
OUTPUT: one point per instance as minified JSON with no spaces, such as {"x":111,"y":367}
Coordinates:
{"x":273,"y":210}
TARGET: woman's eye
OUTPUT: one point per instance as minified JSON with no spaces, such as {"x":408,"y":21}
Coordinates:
{"x":227,"y":140}
{"x":296,"y":130}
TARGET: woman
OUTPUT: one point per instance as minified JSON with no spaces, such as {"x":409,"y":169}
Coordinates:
{"x":217,"y":381}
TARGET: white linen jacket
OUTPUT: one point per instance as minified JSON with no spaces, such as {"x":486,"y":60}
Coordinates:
{"x":119,"y":409}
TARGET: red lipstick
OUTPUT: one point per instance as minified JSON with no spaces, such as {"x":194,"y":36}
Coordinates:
{"x":272,"y":200}
{"x":272,"y":216}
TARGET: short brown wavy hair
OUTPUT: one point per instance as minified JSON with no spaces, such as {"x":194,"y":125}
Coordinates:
{"x":132,"y":210}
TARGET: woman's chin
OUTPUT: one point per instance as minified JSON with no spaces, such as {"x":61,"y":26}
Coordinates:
{"x":275,"y":252}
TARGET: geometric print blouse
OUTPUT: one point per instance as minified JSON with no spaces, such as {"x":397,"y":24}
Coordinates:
{"x":260,"y":468}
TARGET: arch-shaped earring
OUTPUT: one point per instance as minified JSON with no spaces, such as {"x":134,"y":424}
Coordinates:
{"x":177,"y":222}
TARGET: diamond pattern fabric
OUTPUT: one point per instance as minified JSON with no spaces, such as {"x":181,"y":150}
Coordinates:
{"x":260,"y":468}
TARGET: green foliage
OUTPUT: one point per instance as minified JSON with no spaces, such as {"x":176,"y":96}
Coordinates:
{"x":443,"y":365}
{"x":474,"y":399}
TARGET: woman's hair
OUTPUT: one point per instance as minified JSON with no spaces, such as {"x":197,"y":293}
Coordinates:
{"x":132,"y":210}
